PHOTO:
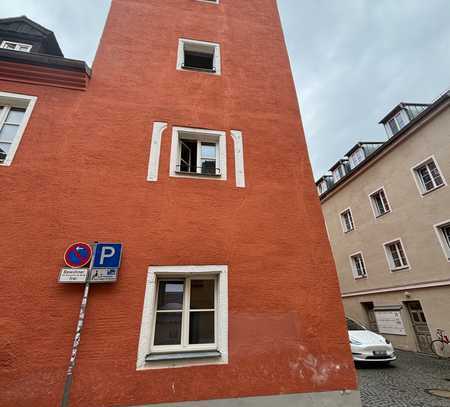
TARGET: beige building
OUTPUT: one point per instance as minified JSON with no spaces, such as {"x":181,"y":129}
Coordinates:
{"x":387,"y":211}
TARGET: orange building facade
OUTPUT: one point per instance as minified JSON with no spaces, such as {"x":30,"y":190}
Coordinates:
{"x":185,"y":144}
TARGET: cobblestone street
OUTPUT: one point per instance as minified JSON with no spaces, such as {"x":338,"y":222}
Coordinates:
{"x":403,"y":383}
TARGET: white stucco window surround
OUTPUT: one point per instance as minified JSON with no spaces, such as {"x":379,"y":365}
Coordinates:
{"x":198,"y":153}
{"x":358,"y":265}
{"x":347,"y":221}
{"x":379,"y":202}
{"x":183,"y":324}
{"x":155,"y":151}
{"x":200,"y":56}
{"x":15,"y":111}
{"x":428,"y":176}
{"x":442,"y":230}
{"x":396,"y":255}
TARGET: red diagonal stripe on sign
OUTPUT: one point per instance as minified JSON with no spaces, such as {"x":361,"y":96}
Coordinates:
{"x":79,"y":255}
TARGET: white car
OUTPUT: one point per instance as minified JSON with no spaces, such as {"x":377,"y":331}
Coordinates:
{"x":367,"y":346}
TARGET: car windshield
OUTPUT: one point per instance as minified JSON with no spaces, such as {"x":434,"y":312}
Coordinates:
{"x":354,"y":326}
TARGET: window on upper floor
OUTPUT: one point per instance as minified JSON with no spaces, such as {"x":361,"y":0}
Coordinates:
{"x":379,"y":202}
{"x":428,"y":176}
{"x":16,"y":46}
{"x":15,"y":111}
{"x":338,"y":173}
{"x":356,"y":158}
{"x":185,"y":315}
{"x":198,"y":153}
{"x":443,"y":233}
{"x":358,"y":266}
{"x":396,"y":256}
{"x":347,"y":221}
{"x":397,"y":122}
{"x":199,"y":56}
{"x":322,"y":187}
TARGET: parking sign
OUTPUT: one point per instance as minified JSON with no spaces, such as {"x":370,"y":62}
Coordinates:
{"x":107,"y":255}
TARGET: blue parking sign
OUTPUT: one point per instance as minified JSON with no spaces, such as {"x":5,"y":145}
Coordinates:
{"x":107,"y":255}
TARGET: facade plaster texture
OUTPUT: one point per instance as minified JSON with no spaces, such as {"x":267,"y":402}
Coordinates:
{"x":412,"y":218}
{"x":80,"y":175}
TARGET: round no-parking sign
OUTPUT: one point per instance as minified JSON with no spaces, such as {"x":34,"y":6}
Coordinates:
{"x":78,"y":255}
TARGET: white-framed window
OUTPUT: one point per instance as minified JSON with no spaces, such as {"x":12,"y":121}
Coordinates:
{"x":338,"y":173}
{"x":357,"y":157}
{"x":198,"y":153}
{"x":396,"y":255}
{"x":443,"y":233}
{"x":210,"y":1}
{"x":428,"y":175}
{"x":199,"y":56}
{"x":358,"y":266}
{"x":379,"y":202}
{"x":347,"y":220}
{"x":399,"y":121}
{"x":16,"y":46}
{"x":185,"y":317}
{"x":15,"y":111}
{"x":322,"y":187}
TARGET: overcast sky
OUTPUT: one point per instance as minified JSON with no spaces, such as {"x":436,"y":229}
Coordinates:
{"x":353,"y":60}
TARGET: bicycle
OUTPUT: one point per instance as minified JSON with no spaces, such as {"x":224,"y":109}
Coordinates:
{"x":441,"y":345}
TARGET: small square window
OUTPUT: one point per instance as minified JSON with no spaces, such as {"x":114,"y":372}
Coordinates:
{"x":347,"y":221}
{"x":199,"y":56}
{"x":358,"y":266}
{"x":396,"y":255}
{"x":198,"y":153}
{"x":428,"y":176}
{"x":379,"y":202}
{"x":16,"y":46}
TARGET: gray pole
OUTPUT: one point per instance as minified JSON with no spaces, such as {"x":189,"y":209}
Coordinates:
{"x":76,"y":342}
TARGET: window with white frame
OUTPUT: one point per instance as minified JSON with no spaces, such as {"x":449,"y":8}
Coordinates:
{"x":338,"y":173}
{"x":185,"y":318}
{"x":397,"y":122}
{"x":210,"y":1}
{"x":396,"y":255}
{"x":322,"y":187}
{"x":16,"y":46}
{"x":443,"y":232}
{"x":15,"y":111}
{"x":358,"y":266}
{"x":199,"y":56}
{"x":357,"y":157}
{"x":428,"y":176}
{"x":380,"y":204}
{"x":198,"y":153}
{"x":347,"y":220}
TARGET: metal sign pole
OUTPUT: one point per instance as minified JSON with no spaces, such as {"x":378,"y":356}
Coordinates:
{"x":76,"y":340}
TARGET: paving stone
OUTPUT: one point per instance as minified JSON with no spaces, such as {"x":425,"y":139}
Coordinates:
{"x":403,"y":383}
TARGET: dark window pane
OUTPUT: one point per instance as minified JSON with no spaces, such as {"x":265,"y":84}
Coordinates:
{"x":201,"y":327}
{"x":170,"y":295}
{"x":168,"y":328}
{"x":202,"y":294}
{"x":200,"y":60}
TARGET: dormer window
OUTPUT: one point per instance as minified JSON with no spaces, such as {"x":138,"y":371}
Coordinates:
{"x":16,"y":46}
{"x":338,"y":173}
{"x":357,"y":157}
{"x":322,"y":187}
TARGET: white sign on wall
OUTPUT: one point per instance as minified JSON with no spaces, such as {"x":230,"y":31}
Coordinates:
{"x":390,"y":322}
{"x":68,"y":275}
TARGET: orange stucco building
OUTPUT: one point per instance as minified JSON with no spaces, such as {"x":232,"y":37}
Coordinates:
{"x":185,"y":144}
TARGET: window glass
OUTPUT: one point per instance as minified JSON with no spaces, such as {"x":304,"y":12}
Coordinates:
{"x":446,"y":233}
{"x":8,"y":132}
{"x":168,"y":328}
{"x":201,"y":327}
{"x":170,"y":295}
{"x":202,"y":294}
{"x":354,"y":326}
{"x":15,"y":116}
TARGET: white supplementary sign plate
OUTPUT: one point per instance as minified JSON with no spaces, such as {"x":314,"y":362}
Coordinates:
{"x":104,"y":275}
{"x":390,"y":322}
{"x":68,"y":275}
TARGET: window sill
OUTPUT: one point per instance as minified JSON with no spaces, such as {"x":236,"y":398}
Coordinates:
{"x":360,"y":277}
{"x":204,"y":70}
{"x":405,"y":268}
{"x":382,"y":214}
{"x":197,"y":174}
{"x":348,"y":231}
{"x":160,"y":357}
{"x":432,"y":190}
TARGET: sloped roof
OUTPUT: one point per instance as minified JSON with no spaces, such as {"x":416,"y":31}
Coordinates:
{"x":24,"y":26}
